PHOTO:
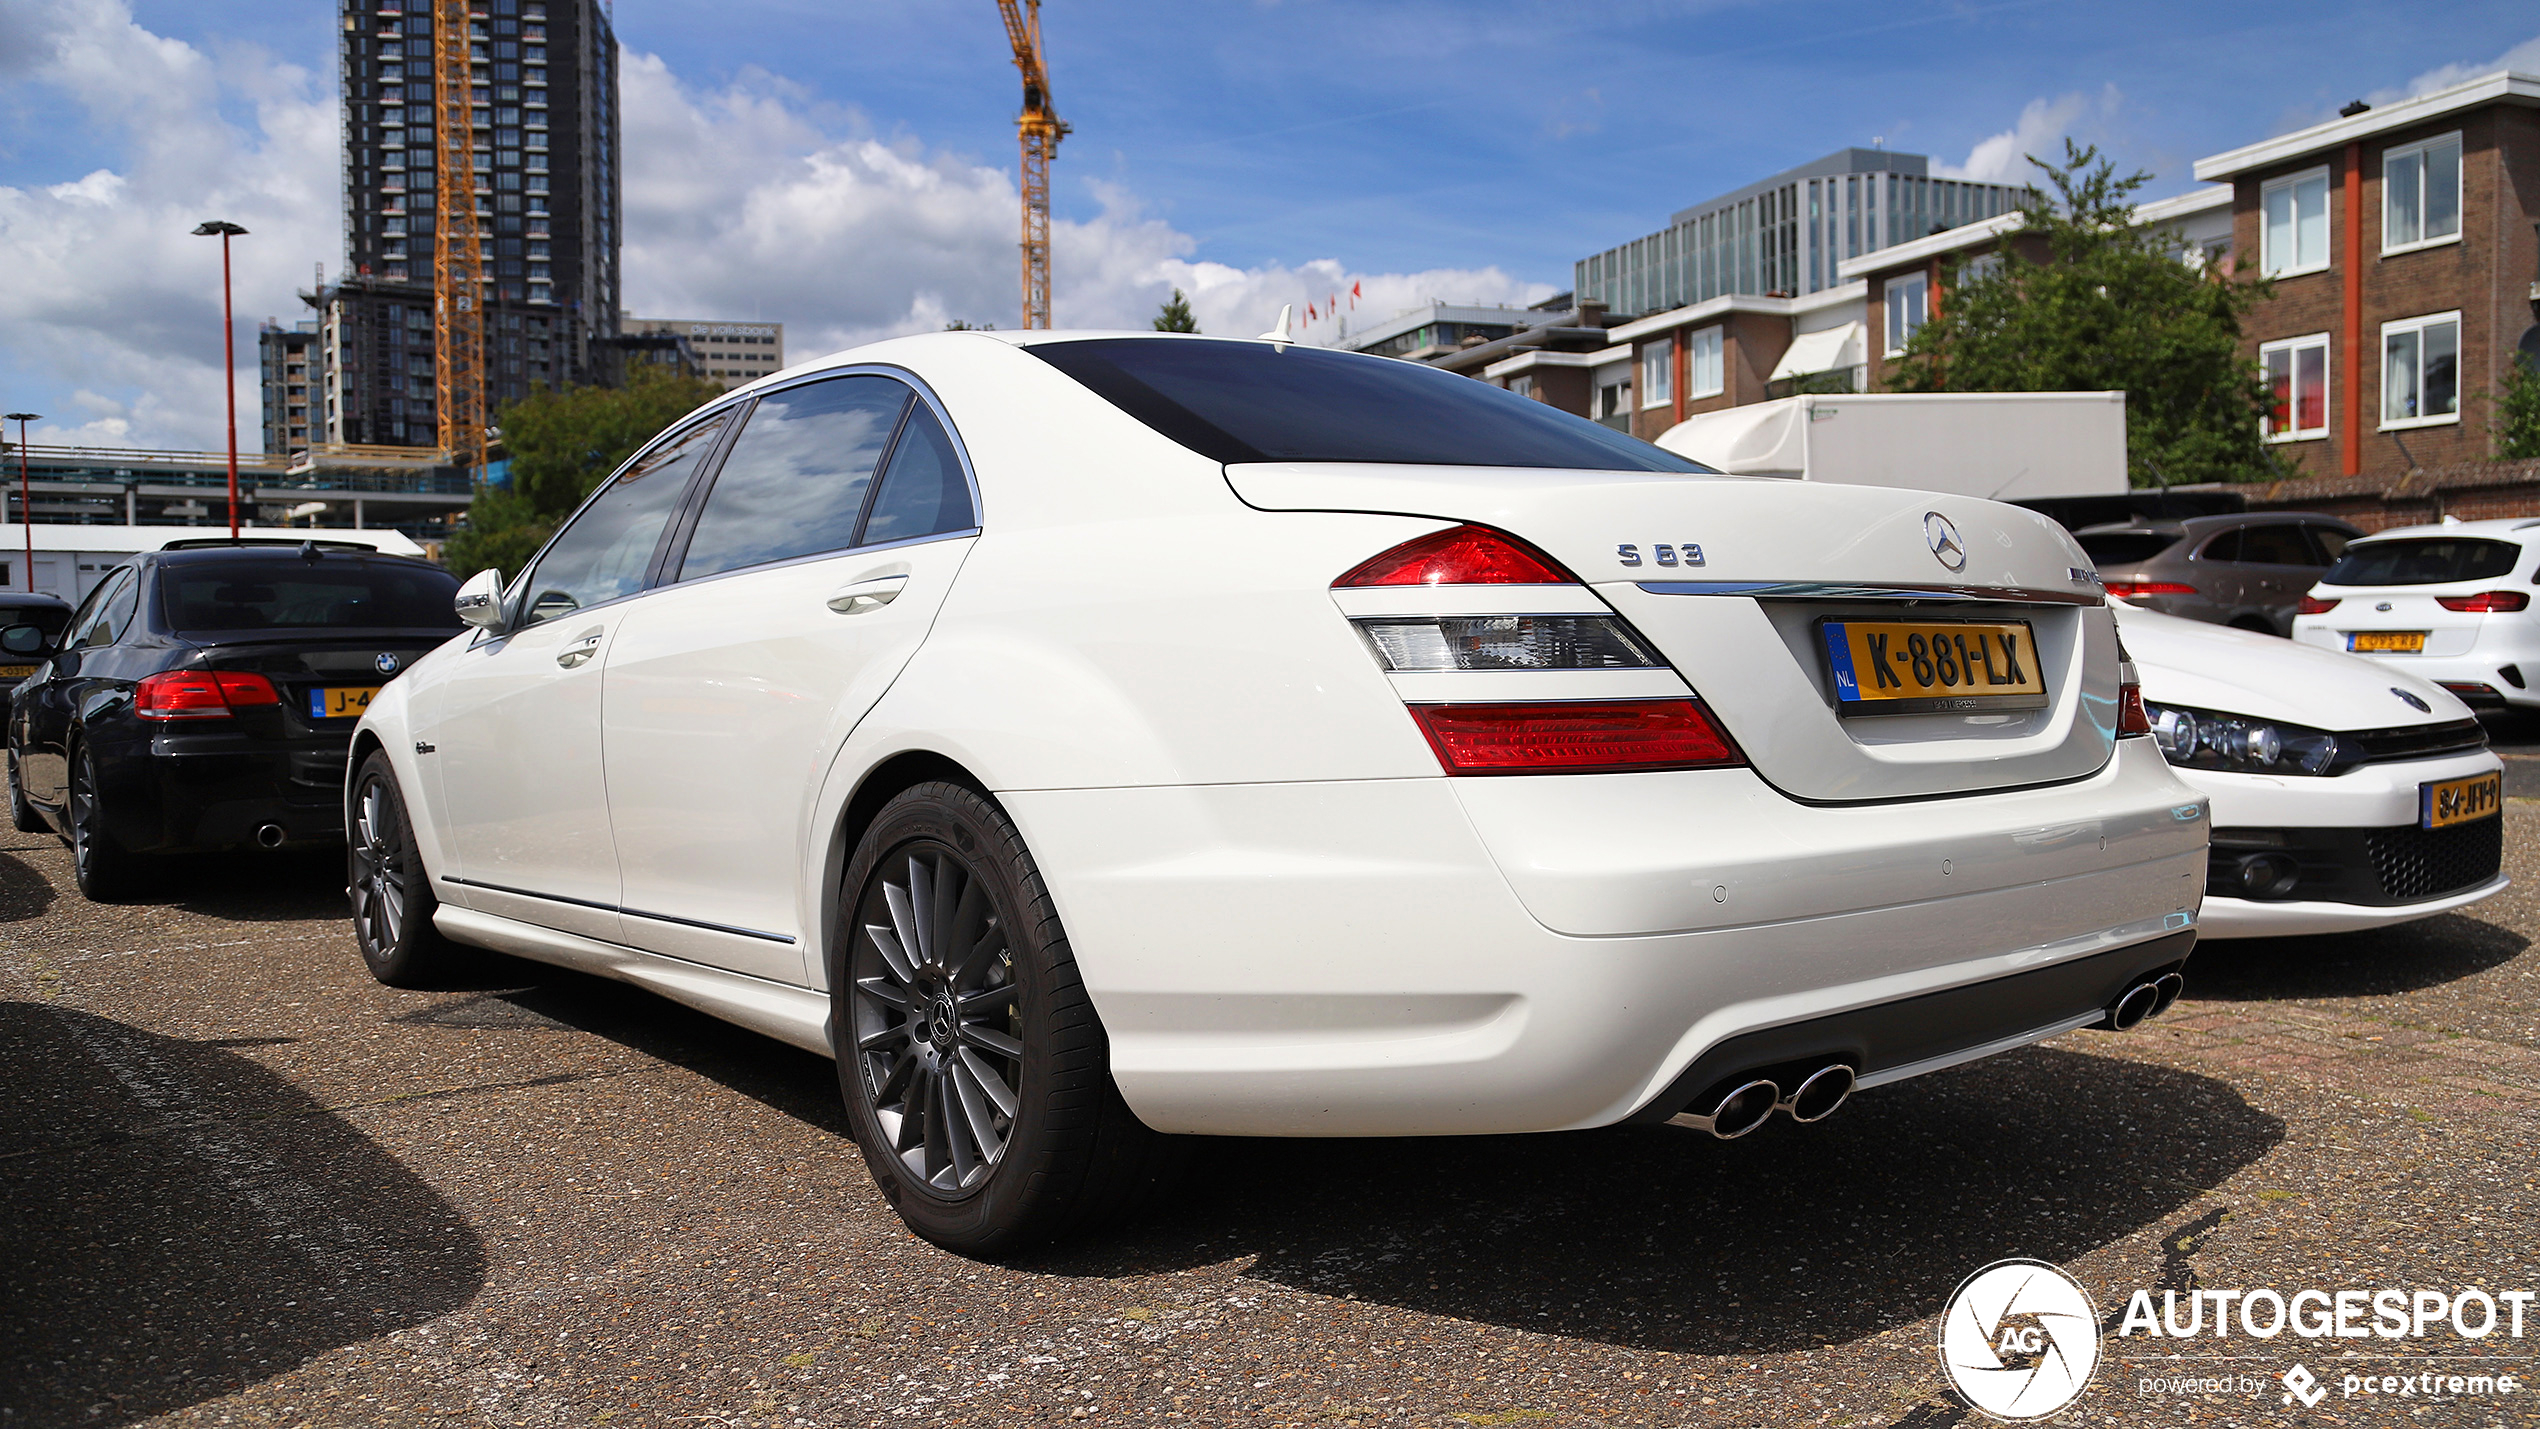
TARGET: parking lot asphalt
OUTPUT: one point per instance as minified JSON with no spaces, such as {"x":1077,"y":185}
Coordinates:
{"x":240,"y":1183}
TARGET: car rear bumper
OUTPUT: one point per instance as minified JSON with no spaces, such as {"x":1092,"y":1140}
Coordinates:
{"x":194,"y":791}
{"x":1412,"y":957}
{"x":2505,"y":659}
{"x":2250,"y":918}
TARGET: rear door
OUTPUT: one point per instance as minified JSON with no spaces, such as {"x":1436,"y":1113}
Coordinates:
{"x":803,"y":588}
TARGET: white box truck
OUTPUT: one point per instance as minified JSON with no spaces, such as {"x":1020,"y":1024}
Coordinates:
{"x":2006,"y":446}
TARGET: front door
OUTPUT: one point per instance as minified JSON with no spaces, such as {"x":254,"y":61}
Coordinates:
{"x":802,"y":592}
{"x":515,"y":734}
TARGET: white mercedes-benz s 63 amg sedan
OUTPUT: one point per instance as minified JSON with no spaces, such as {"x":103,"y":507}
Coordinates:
{"x":1086,"y":738}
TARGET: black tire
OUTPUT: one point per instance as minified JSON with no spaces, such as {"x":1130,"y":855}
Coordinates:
{"x":105,"y":870}
{"x":21,"y":813}
{"x":976,"y":1075}
{"x":391,"y":893}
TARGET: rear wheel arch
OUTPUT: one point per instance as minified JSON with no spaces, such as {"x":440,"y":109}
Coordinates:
{"x":881,"y":784}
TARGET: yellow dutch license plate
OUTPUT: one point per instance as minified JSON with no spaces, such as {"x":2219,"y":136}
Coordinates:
{"x":2387,"y":642}
{"x":2459,"y":801}
{"x":16,"y":672}
{"x":340,"y":701}
{"x":1919,"y":666}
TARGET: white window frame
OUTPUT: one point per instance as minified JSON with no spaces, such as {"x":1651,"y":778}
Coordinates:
{"x":2293,"y":264}
{"x":1705,"y":349}
{"x":2420,"y":325}
{"x":1890,"y":291}
{"x":1658,"y":373}
{"x":2399,"y":152}
{"x":2293,"y":347}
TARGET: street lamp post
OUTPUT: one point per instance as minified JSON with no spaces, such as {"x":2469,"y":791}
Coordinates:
{"x":26,"y":499}
{"x":228,"y":352}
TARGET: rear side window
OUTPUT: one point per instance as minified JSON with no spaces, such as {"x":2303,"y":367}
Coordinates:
{"x":923,"y":492}
{"x":1244,"y":402}
{"x":608,"y":549}
{"x":107,"y":612}
{"x":794,"y":484}
{"x":2275,"y":546}
{"x":330,"y":593}
{"x":2331,"y":541}
{"x":2424,"y":560}
{"x":2124,"y":548}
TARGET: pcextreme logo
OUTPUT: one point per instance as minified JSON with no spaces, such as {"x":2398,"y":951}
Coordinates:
{"x":2019,"y":1340}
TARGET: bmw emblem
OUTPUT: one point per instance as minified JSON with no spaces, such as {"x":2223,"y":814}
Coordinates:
{"x":1942,"y":537}
{"x":2421,"y":706}
{"x":386,"y":662}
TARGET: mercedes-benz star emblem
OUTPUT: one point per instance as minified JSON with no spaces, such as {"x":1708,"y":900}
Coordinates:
{"x":2421,"y":706}
{"x":386,"y":662}
{"x":1943,"y":538}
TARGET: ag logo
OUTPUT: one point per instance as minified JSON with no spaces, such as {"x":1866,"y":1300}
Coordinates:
{"x":2019,"y":1340}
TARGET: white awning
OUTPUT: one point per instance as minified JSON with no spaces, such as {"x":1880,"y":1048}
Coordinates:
{"x":1824,"y":351}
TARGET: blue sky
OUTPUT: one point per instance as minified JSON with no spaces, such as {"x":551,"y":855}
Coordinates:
{"x":1462,"y":150}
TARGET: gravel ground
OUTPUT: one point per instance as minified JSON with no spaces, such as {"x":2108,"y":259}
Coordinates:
{"x":241,"y":1183}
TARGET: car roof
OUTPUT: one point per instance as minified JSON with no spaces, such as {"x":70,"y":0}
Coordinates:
{"x":31,"y":600}
{"x":2493,"y":527}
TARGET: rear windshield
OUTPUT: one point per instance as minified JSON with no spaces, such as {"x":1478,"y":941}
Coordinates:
{"x":1242,"y":401}
{"x":330,"y":593}
{"x":2124,"y":548}
{"x":2423,"y":560}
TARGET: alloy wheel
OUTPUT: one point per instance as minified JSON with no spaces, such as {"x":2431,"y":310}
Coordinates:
{"x":83,"y":817}
{"x":379,"y":868}
{"x":938,"y":1020}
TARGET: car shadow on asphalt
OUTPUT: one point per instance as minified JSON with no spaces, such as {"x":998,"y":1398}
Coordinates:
{"x":252,"y":887}
{"x":25,"y":891}
{"x":2409,"y":957}
{"x":177,"y":1222}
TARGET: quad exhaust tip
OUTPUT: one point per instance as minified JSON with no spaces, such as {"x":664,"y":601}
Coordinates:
{"x":2149,"y":998}
{"x":1816,"y":1098}
{"x":1745,"y":1108}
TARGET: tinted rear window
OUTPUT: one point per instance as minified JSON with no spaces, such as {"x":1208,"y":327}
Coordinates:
{"x":1241,"y":401}
{"x":2124,"y":548}
{"x":2424,"y":560}
{"x":331,"y":593}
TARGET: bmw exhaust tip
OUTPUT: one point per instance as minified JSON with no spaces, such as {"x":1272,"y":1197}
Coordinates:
{"x":1816,"y":1098}
{"x":1746,"y":1107}
{"x":269,"y":836}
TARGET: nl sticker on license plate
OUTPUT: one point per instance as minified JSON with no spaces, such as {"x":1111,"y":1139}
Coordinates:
{"x":2446,"y":802}
{"x":340,"y":701}
{"x":1921,"y":666}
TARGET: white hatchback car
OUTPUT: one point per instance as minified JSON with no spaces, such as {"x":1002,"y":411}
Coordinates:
{"x":2449,"y":603}
{"x":1083,"y":737}
{"x":2346,"y":794}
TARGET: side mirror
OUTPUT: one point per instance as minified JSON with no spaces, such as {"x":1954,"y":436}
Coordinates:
{"x":26,"y":640}
{"x":479,"y":602}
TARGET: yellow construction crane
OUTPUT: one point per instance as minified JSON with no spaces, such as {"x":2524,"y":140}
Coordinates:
{"x":458,"y":246}
{"x":1040,"y":130}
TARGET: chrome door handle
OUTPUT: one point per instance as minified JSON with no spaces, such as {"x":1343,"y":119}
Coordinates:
{"x":573,"y":656}
{"x":867,"y":595}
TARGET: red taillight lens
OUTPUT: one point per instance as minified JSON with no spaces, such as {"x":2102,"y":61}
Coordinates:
{"x":2131,"y":716}
{"x":2122,"y":587}
{"x":1581,"y":737}
{"x":2316,"y":605}
{"x":2486,"y":602}
{"x":1460,"y":555}
{"x":201,"y":694}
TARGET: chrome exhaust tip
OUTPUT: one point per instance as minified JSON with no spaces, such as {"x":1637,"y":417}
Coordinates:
{"x":269,"y":836}
{"x":2137,"y":1004}
{"x":1816,"y":1098}
{"x":1745,"y":1108}
{"x":2169,"y":986}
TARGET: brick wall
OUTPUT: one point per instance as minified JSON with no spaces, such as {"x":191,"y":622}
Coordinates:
{"x":2472,"y":491}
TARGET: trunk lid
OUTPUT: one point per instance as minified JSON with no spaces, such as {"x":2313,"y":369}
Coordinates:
{"x":1749,"y":569}
{"x":305,"y":668}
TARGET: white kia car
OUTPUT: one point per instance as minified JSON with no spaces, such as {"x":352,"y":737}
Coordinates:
{"x":1086,"y":737}
{"x":2346,"y":794}
{"x":2448,"y":603}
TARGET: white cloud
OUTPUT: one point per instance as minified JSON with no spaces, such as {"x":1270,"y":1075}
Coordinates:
{"x":2040,"y":130}
{"x":2523,"y":58}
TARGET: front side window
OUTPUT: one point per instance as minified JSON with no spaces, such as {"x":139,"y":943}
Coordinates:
{"x":609,"y":547}
{"x":1705,"y":376}
{"x":2293,"y":224}
{"x":1658,"y":373}
{"x":2421,"y":193}
{"x":2296,"y":372}
{"x":795,"y":482}
{"x":1908,"y":305}
{"x":2421,"y":371}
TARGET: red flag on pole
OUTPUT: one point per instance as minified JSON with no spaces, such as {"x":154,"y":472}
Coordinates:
{"x":1353,"y":295}
{"x":1309,"y":312}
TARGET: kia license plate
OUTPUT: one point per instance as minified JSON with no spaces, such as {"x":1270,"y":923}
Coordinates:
{"x":2386,"y":642}
{"x":340,"y":701}
{"x":2446,"y":802}
{"x":1921,"y":666}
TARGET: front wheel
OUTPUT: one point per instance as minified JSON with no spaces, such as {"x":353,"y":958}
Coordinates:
{"x":391,"y":894}
{"x":974,"y":1069}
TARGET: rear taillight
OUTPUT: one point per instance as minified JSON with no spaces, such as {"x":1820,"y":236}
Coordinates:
{"x":2122,"y":587}
{"x":1506,"y":642}
{"x":1575,"y":737}
{"x":2486,"y":602}
{"x":2316,"y":605}
{"x":1459,"y":555}
{"x":2132,"y":718}
{"x":201,"y":694}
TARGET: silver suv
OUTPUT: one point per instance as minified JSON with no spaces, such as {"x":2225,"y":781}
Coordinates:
{"x":2247,"y":571}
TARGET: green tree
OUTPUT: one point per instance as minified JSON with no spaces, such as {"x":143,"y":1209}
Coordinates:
{"x":2113,"y":305}
{"x":2518,"y":411}
{"x":561,"y":445}
{"x":1175,"y":316}
{"x":966,"y":325}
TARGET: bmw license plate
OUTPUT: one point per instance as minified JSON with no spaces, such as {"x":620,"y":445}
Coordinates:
{"x":340,"y":701}
{"x":2446,"y":802}
{"x":2387,"y":642}
{"x":1919,"y":666}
